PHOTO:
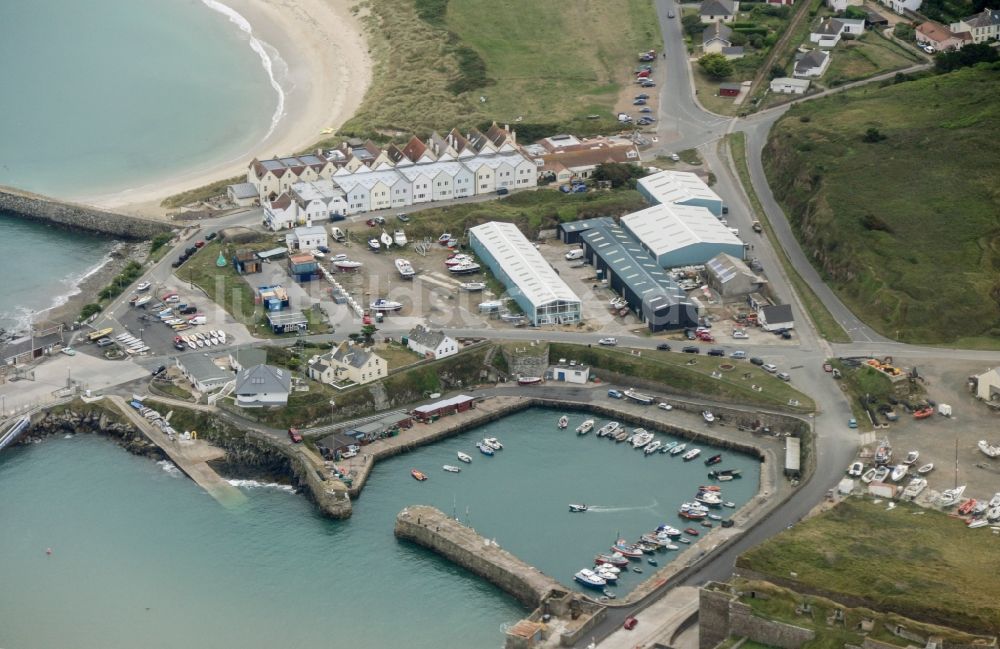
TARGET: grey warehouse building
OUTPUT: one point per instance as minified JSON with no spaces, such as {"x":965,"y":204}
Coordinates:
{"x":635,"y":275}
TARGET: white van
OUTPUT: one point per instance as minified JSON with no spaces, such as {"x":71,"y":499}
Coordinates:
{"x":576,"y":253}
{"x":338,"y":235}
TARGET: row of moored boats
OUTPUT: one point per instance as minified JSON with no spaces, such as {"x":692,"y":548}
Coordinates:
{"x":638,"y":438}
{"x":488,"y":446}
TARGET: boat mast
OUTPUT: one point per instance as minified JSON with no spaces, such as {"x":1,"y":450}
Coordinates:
{"x":956,"y":461}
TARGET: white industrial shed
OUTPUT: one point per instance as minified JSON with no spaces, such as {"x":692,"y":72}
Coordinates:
{"x":530,"y":280}
{"x":681,"y":235}
{"x":679,"y":188}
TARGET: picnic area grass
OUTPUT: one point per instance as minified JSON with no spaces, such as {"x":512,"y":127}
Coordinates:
{"x":920,"y":563}
{"x":893,"y":196}
{"x":690,"y":374}
{"x":548,"y":64}
{"x":864,"y":57}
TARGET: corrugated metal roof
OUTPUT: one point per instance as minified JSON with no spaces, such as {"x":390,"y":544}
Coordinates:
{"x":634,"y":266}
{"x":793,"y":453}
{"x":677,"y":187}
{"x":665,"y":228}
{"x":523,"y":263}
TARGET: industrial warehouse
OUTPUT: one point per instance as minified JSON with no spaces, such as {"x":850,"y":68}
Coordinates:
{"x":680,"y":188}
{"x":530,"y":280}
{"x":680,"y":235}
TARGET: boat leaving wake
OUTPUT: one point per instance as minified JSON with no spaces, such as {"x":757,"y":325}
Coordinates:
{"x":254,"y":484}
{"x":608,"y":510}
{"x":261,"y":48}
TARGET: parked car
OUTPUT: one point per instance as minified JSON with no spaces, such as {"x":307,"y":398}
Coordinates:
{"x":199,"y":244}
{"x":691,"y":349}
{"x":188,"y":310}
{"x":769,"y":367}
{"x":690,"y":334}
{"x":294,"y":435}
{"x":639,"y":102}
{"x":615,"y":394}
{"x":716,"y":352}
{"x":852,"y":423}
{"x":784,"y":376}
{"x":159,"y":370}
{"x":670,"y":14}
{"x":104,"y":342}
{"x":738,"y":355}
{"x":502,"y":191}
{"x":323,"y":249}
{"x":608,"y":342}
{"x":675,"y":157}
{"x":663,"y":347}
{"x":642,"y":96}
{"x":210,"y":236}
{"x":786,"y":334}
{"x":630,"y":623}
{"x":740,"y":333}
{"x":645,"y":109}
{"x":663,"y":405}
{"x":646,"y":83}
{"x":827,"y":367}
{"x":756,"y":361}
{"x":405,"y":218}
{"x":69,"y":351}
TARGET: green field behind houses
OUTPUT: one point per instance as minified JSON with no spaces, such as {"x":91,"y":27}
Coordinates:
{"x":549,"y":64}
{"x":893,"y":193}
{"x":917,"y":562}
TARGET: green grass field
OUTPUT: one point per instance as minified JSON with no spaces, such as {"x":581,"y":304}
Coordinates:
{"x":865,"y":57}
{"x":916,"y":562}
{"x":224,"y":286}
{"x":546,"y":63}
{"x":678,"y":371}
{"x":905,"y":228}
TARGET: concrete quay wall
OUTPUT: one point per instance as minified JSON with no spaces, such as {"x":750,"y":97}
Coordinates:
{"x":77,"y":217}
{"x":431,"y":528}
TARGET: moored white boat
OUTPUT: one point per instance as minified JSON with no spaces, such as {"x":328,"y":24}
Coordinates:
{"x":638,"y":397}
{"x":464,"y":458}
{"x":529,"y":380}
{"x":347,"y":264}
{"x":692,"y":454}
{"x":493,"y":443}
{"x":911,"y":457}
{"x":405,"y":269}
{"x":868,"y":475}
{"x":652,"y":447}
{"x":145,"y":299}
{"x":464,"y":268}
{"x":585,"y":427}
{"x":485,"y":450}
{"x":374,"y":245}
{"x":385,"y":239}
{"x":898,"y":472}
{"x":668,"y":446}
{"x":472,"y":286}
{"x":383,"y":304}
{"x":590,"y":579}
{"x":399,"y":238}
{"x":677,"y":450}
{"x":914,"y":488}
{"x":950,"y":496}
{"x":881,"y":474}
{"x":608,"y":429}
{"x":856,"y":469}
{"x":707,"y":416}
{"x":450,"y":468}
{"x":143,"y":286}
{"x":563,"y":422}
{"x":641,"y":437}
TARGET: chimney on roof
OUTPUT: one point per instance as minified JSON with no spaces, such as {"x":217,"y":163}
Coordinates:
{"x":506,"y":128}
{"x":513,"y":137}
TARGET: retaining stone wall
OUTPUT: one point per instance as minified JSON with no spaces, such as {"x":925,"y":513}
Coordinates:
{"x":743,"y":622}
{"x":78,"y":217}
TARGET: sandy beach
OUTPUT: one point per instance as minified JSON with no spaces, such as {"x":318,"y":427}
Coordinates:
{"x":324,"y":47}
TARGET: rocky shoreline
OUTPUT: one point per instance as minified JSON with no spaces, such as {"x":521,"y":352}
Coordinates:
{"x":93,"y":422}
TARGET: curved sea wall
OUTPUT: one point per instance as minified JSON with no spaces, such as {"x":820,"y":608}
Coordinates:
{"x":78,"y":217}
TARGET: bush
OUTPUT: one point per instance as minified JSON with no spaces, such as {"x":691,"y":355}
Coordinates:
{"x":873,"y":135}
{"x":471,"y":69}
{"x":692,"y":25}
{"x":618,"y":173}
{"x":966,"y":57}
{"x":904,"y":32}
{"x":89,"y":310}
{"x":160,"y":240}
{"x":432,"y":11}
{"x":856,"y":13}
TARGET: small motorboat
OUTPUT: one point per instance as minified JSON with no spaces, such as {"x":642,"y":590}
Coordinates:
{"x":685,"y":541}
{"x":637,"y":570}
{"x":707,"y":416}
{"x":405,"y":269}
{"x":715,"y":517}
{"x":142,"y":301}
{"x":493,"y":443}
{"x":916,"y":486}
{"x":978,"y":523}
{"x":464,"y":458}
{"x":995,"y":500}
{"x":868,"y":475}
{"x":418,"y":475}
{"x":347,"y":264}
{"x":899,"y":472}
{"x":472,"y":286}
{"x":385,"y":239}
{"x":883,"y":454}
{"x":707,"y":523}
{"x":677,"y":450}
{"x":455,"y":260}
{"x":730,"y":504}
{"x":608,"y":429}
{"x":966,"y":508}
{"x":621,"y":435}
{"x":450,"y":468}
{"x":641,"y":437}
{"x":715,"y":459}
{"x":374,"y":245}
{"x":856,"y":469}
{"x":385,"y":305}
{"x":692,"y":454}
{"x":925,"y":469}
{"x":608,"y":576}
{"x":989,"y":450}
{"x":585,"y":427}
{"x":143,"y":286}
{"x":638,"y":397}
{"x":399,"y":238}
{"x":444,"y":238}
{"x":911,"y":457}
{"x":577,"y":508}
{"x":529,"y":380}
{"x":923,"y":413}
{"x":667,"y":447}
{"x":652,"y":447}
{"x":563,"y":422}
{"x":626,"y":549}
{"x":652,"y":562}
{"x":881,"y":474}
{"x":668,"y":531}
{"x":485,"y":450}
{"x":691,"y":531}
{"x":950,"y":496}
{"x":993,"y":514}
{"x":590,"y":579}
{"x":466,"y":268}
{"x":615,"y":559}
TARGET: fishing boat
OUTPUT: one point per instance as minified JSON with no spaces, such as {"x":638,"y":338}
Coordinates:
{"x":989,"y":450}
{"x":707,"y":416}
{"x":692,"y":514}
{"x":143,"y":286}
{"x":142,"y":301}
{"x":606,"y":575}
{"x":856,"y":469}
{"x":529,"y":380}
{"x":666,"y":530}
{"x":911,"y":457}
{"x":615,"y":559}
{"x":464,"y":458}
{"x":585,"y":427}
{"x":677,"y":450}
{"x":466,"y":268}
{"x":666,"y":447}
{"x":418,"y":475}
{"x":715,"y":459}
{"x":456,"y":259}
{"x":577,"y":508}
{"x":692,"y":454}
{"x":609,"y":428}
{"x":621,"y":435}
{"x":385,"y":239}
{"x":925,"y":469}
{"x":385,"y":305}
{"x":399,"y":238}
{"x":868,"y":475}
{"x":651,"y":540}
{"x":638,"y":397}
{"x":563,"y":422}
{"x":590,"y":579}
{"x":405,"y":269}
{"x":898,"y":472}
{"x":966,"y":508}
{"x":485,"y":450}
{"x":493,"y":443}
{"x":347,"y":264}
{"x":472,"y":286}
{"x":451,"y":468}
{"x":626,"y":549}
{"x":923,"y":413}
{"x":608,"y":567}
{"x":641,"y":437}
{"x":883,"y":454}
{"x":950,"y":496}
{"x":374,"y":245}
{"x":652,"y":447}
{"x":709,"y":498}
{"x":881,"y":474}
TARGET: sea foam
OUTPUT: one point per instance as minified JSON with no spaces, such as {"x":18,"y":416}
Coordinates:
{"x":254,"y":484}
{"x":262,"y":49}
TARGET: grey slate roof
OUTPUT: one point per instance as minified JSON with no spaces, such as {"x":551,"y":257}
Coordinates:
{"x":263,"y":378}
{"x":244,"y":190}
{"x":354,"y":355}
{"x":716,"y":31}
{"x":813,"y":59}
{"x":716,"y":8}
{"x":248,"y":356}
{"x":829,"y":27}
{"x":983,"y":19}
{"x":778,"y":313}
{"x":203,"y":369}
{"x":733,"y":51}
{"x":424,"y":336}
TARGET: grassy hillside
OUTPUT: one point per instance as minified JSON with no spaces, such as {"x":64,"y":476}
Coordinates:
{"x":893,"y":192}
{"x":547,"y":63}
{"x":916,"y":562}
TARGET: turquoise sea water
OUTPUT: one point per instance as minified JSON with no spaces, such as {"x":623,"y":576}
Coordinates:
{"x":107,"y":95}
{"x":144,"y":558}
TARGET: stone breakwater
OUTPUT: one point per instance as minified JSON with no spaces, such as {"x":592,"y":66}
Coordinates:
{"x":93,"y":420}
{"x":78,"y":217}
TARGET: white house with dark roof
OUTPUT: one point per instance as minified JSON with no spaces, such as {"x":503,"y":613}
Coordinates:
{"x":712,"y":11}
{"x":776,"y":316}
{"x":281,"y":213}
{"x":902,"y":6}
{"x":982,"y":26}
{"x":348,"y":363}
{"x":829,"y":31}
{"x":262,"y":386}
{"x":812,"y":65}
{"x":204,"y":374}
{"x":715,"y":38}
{"x":431,"y":343}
